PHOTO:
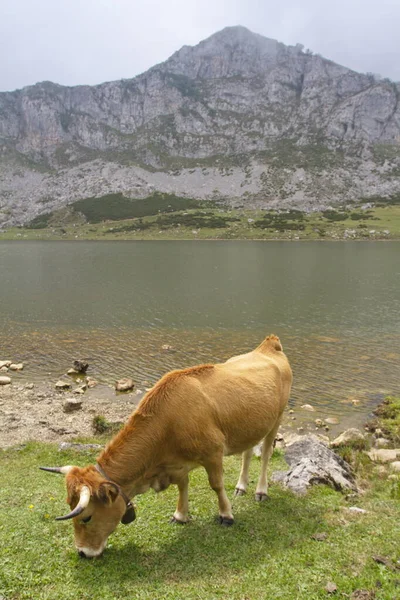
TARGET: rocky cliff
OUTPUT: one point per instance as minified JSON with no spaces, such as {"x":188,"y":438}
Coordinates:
{"x":238,"y":117}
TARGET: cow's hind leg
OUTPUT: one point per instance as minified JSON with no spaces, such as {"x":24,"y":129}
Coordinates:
{"x":181,"y":515}
{"x":267,"y":449}
{"x":215,"y":474}
{"x":241,"y":486}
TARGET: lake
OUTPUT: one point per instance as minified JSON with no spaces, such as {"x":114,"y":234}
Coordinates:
{"x":335,"y":306}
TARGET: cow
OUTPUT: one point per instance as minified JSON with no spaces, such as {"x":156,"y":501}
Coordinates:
{"x":190,"y":418}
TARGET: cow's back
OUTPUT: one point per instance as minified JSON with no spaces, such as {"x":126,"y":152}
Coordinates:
{"x":236,"y":403}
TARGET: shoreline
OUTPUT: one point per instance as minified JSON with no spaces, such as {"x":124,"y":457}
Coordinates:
{"x":37,"y":412}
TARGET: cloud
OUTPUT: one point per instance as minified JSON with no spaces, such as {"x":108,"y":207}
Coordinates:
{"x":90,"y":41}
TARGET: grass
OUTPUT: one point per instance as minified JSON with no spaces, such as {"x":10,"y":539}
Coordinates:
{"x":173,"y":218}
{"x":388,"y":414}
{"x":268,"y":553}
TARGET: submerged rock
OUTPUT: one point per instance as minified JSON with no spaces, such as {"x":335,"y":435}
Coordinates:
{"x":5,"y":380}
{"x":16,"y":366}
{"x":81,"y":366}
{"x":312,"y":462}
{"x":91,"y":383}
{"x":124,"y":385}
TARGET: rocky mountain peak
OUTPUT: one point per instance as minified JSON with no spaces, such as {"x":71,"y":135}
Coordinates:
{"x":237,"y":117}
{"x":231,"y":52}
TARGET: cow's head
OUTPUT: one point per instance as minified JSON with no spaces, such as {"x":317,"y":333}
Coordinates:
{"x":97,"y":506}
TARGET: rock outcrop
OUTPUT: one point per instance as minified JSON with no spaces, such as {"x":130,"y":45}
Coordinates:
{"x":312,"y":462}
{"x":238,"y":117}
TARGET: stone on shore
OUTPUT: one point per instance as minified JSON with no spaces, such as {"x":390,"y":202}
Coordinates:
{"x":384,"y":455}
{"x":71,"y":405}
{"x":81,"y":389}
{"x":313,"y":462}
{"x":63,"y":385}
{"x":348,"y":437}
{"x":5,"y":363}
{"x":16,"y":366}
{"x":124,"y":385}
{"x":91,"y":383}
{"x":332,"y":421}
{"x":5,"y":380}
{"x":308,"y":407}
{"x":381,"y":442}
{"x":395,"y":466}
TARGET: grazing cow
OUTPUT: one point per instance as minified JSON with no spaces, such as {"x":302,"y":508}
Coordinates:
{"x":190,"y":418}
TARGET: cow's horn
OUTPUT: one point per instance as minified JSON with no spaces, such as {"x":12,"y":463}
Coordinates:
{"x":64,"y":470}
{"x":84,"y":499}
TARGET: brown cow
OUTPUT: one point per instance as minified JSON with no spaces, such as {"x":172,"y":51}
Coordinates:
{"x":190,"y":418}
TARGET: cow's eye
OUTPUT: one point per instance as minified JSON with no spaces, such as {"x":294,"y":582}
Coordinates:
{"x":86,"y":520}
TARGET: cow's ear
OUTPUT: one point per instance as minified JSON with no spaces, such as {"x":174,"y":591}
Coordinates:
{"x":108,"y":492}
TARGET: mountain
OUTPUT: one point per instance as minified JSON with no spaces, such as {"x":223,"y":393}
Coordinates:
{"x":239,"y":117}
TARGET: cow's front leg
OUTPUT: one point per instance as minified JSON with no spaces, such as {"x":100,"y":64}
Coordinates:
{"x":181,"y":515}
{"x":241,"y":486}
{"x":215,"y":474}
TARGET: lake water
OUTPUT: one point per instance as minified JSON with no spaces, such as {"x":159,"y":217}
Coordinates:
{"x":335,"y":306}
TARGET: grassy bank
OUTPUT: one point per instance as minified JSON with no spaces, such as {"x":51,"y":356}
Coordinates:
{"x":174,"y":220}
{"x":270,"y":552}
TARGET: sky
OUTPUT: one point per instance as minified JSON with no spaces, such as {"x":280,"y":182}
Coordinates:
{"x":75,"y":42}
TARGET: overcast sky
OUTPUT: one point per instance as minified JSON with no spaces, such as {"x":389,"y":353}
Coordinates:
{"x":75,"y":42}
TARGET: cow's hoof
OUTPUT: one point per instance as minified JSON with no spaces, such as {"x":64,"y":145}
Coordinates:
{"x":225,"y":521}
{"x":175,"y":520}
{"x":239,"y":492}
{"x":261,"y":497}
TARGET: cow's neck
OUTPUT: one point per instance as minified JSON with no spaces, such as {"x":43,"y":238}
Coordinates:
{"x":130,"y":456}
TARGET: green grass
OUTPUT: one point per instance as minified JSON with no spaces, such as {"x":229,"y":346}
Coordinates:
{"x":167,"y":217}
{"x":268,"y":553}
{"x":388,"y":414}
{"x":115,"y":207}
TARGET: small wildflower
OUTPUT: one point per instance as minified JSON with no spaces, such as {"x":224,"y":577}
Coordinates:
{"x":31,"y":506}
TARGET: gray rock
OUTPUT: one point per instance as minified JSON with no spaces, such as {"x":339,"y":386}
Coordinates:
{"x":124,"y":385}
{"x":16,"y":366}
{"x":312,"y":462}
{"x":72,"y":405}
{"x":80,"y":390}
{"x":4,"y":380}
{"x":347,"y":437}
{"x":63,"y":385}
{"x":5,"y":363}
{"x":81,"y":366}
{"x":384,"y":455}
{"x":382,"y":443}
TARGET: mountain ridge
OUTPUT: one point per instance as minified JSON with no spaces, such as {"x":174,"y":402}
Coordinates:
{"x":285,"y":127}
